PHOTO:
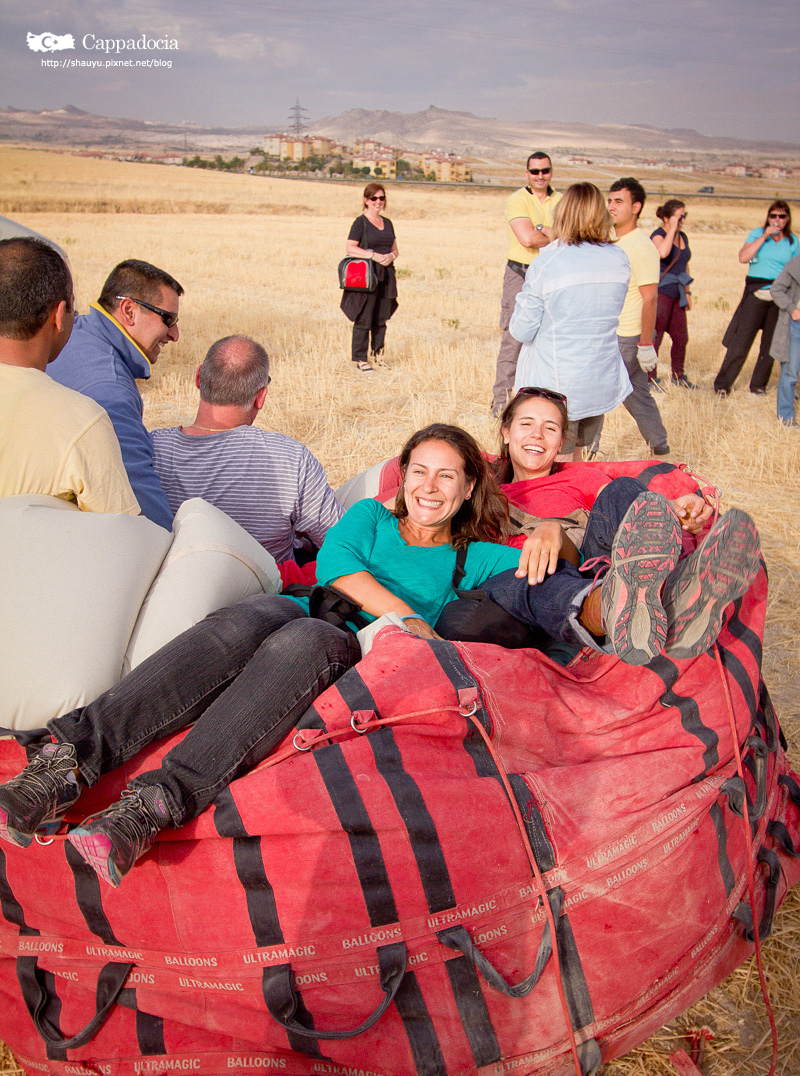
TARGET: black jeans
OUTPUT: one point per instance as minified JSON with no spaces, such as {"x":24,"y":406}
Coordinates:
{"x":241,"y":677}
{"x":751,"y":315}
{"x":371,"y":322}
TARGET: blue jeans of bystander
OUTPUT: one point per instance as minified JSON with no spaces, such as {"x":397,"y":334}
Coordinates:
{"x":789,"y":373}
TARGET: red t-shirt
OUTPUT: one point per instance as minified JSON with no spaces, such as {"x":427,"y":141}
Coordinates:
{"x":557,"y":494}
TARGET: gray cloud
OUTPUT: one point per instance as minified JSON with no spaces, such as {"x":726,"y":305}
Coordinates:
{"x":728,"y":69}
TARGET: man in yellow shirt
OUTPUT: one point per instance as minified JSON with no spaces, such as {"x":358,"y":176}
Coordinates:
{"x":637,"y":319}
{"x":52,"y":440}
{"x":529,"y":216}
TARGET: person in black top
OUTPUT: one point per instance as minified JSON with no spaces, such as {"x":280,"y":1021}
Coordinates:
{"x":372,"y":236}
{"x":674,"y":296}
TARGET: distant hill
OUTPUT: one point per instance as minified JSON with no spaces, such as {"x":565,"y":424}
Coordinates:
{"x":435,"y":128}
{"x":479,"y":136}
{"x":70,"y":126}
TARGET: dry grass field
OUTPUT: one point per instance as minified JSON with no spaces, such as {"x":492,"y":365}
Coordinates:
{"x":259,"y":256}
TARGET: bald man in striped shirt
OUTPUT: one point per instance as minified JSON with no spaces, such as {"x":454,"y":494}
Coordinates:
{"x":269,"y":483}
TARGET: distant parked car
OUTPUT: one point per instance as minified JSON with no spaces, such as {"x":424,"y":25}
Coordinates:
{"x":706,"y":190}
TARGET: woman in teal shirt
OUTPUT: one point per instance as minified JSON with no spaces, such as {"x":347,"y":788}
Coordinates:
{"x":243,"y":676}
{"x":766,"y":251}
{"x":402,"y":561}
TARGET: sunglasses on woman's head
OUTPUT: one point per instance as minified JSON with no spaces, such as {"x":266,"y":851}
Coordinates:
{"x":545,"y":394}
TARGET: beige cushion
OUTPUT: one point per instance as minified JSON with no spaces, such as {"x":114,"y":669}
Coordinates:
{"x":71,"y":585}
{"x":213,"y":562}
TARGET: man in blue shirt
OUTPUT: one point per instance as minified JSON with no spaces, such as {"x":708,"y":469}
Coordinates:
{"x":117,"y":342}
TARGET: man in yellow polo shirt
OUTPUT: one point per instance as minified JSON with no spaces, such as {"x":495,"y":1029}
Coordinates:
{"x":529,"y":216}
{"x":52,"y":440}
{"x":637,"y":319}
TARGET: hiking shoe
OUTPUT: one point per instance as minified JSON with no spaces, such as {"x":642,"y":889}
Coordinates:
{"x":112,"y":840}
{"x":705,"y":583}
{"x":683,"y":381}
{"x":39,"y":797}
{"x":645,"y":550}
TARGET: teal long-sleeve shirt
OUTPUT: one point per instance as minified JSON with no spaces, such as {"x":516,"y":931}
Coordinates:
{"x":367,"y":539}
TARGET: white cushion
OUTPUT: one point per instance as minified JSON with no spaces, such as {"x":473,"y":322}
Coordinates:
{"x":361,"y":486}
{"x":213,"y":562}
{"x":71,"y":585}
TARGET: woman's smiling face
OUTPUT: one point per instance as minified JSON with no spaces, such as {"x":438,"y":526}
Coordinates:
{"x":534,"y":438}
{"x":435,"y":485}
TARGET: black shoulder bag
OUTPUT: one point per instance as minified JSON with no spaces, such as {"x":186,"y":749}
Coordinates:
{"x":477,"y":618}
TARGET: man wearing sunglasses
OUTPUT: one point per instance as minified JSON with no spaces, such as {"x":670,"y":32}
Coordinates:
{"x":118,"y":341}
{"x":529,"y":216}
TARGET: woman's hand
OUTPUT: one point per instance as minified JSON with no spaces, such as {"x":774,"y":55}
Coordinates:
{"x":692,"y":511}
{"x":420,"y":627}
{"x":540,"y":553}
{"x":382,"y":259}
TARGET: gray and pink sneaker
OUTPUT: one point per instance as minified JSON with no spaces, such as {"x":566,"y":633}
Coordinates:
{"x":112,"y":840}
{"x":36,"y":800}
{"x":645,"y":551}
{"x":706,"y":582}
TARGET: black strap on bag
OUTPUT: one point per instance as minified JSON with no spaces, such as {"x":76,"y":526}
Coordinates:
{"x":282,"y":1002}
{"x":458,"y":938}
{"x":477,"y":618}
{"x":40,"y":1002}
{"x":330,"y":605}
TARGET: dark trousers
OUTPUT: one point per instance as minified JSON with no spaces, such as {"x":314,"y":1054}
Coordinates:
{"x":242,"y":677}
{"x":671,"y":320}
{"x":555,"y":604}
{"x":753,"y":315}
{"x":369,"y":328}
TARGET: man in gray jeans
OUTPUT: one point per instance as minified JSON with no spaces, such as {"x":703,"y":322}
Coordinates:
{"x":637,"y":319}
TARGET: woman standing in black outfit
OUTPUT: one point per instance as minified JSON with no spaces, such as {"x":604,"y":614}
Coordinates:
{"x":372,"y":236}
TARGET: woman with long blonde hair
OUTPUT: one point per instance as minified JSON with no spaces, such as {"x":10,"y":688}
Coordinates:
{"x":567,"y":312}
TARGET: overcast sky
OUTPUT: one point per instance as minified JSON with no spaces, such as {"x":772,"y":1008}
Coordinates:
{"x":723,"y":67}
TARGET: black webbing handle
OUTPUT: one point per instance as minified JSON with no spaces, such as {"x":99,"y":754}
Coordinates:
{"x":734,"y":788}
{"x":744,"y":913}
{"x":458,"y":938}
{"x":282,"y":1002}
{"x":38,"y":1001}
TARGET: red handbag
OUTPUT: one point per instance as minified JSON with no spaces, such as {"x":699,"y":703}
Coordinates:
{"x":358,"y":273}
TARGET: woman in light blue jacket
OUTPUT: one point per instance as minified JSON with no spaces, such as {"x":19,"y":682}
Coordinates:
{"x":567,"y":312}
